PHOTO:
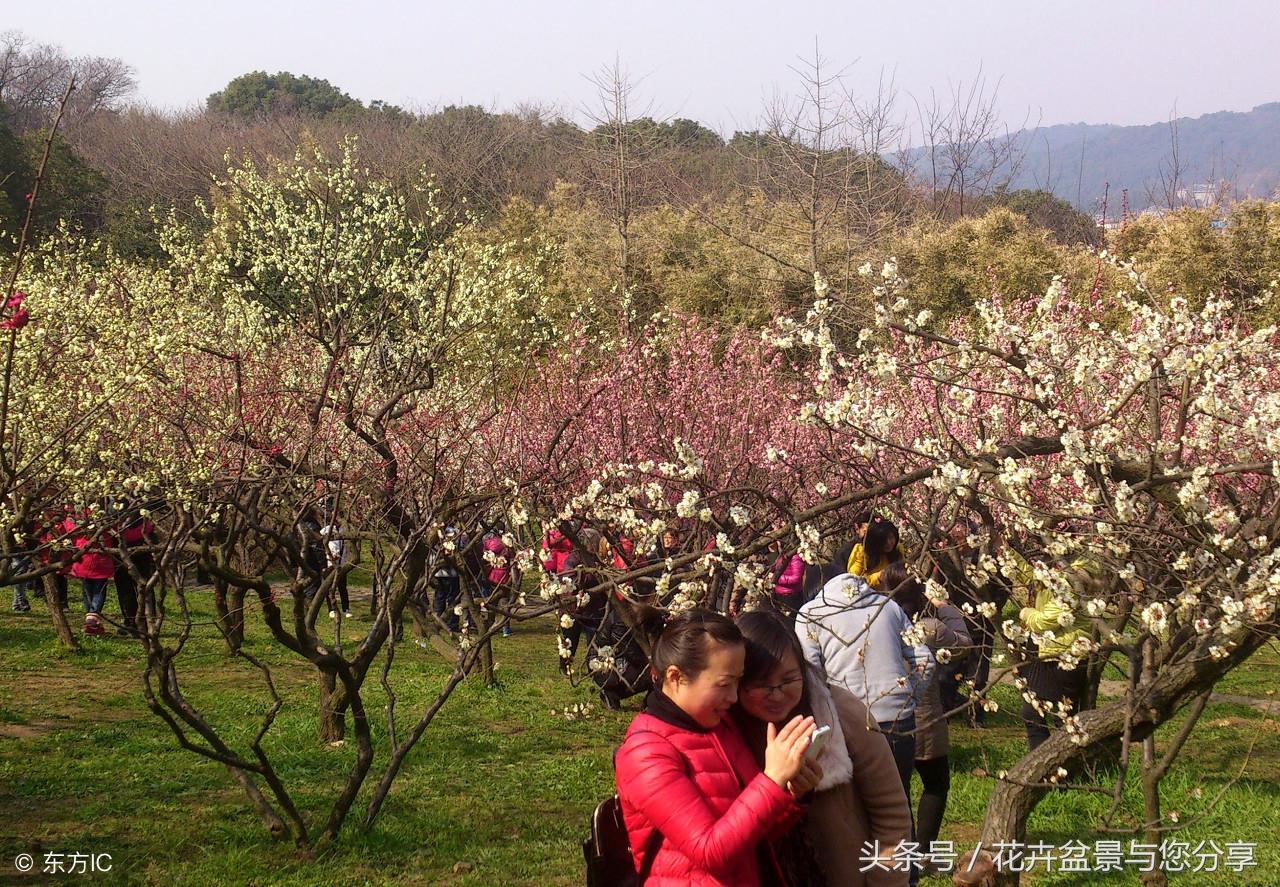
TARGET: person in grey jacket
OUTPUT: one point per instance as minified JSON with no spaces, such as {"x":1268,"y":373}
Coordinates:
{"x":854,"y":637}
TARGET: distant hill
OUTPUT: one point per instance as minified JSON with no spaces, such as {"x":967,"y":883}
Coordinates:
{"x":1076,"y":161}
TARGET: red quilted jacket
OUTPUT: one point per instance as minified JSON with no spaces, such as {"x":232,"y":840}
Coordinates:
{"x":91,"y":562}
{"x":708,"y":798}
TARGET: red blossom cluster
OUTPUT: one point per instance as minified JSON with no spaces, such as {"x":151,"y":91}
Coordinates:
{"x":16,"y":317}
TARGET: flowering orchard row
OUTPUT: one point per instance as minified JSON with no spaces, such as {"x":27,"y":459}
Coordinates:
{"x":308,"y":346}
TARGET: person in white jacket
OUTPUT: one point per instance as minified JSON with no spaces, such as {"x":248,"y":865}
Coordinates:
{"x":338,"y":554}
{"x":861,"y":640}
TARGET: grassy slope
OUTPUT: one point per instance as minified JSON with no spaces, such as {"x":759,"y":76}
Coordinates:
{"x":498,"y":782}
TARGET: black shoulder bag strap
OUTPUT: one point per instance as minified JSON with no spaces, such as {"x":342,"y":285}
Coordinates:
{"x":650,"y":854}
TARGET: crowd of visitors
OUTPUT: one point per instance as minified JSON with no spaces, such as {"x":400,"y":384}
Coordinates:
{"x":72,"y":544}
{"x":860,"y":649}
{"x":720,"y":778}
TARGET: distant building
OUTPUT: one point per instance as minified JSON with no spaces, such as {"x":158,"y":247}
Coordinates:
{"x":1204,"y":196}
{"x":1209,"y":195}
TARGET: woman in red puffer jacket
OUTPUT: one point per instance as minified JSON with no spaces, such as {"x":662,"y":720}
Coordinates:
{"x":697,"y":807}
{"x":92,"y":566}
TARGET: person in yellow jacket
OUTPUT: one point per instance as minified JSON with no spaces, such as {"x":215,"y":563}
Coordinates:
{"x":879,"y":548}
{"x":1047,"y":613}
{"x":1056,"y":626}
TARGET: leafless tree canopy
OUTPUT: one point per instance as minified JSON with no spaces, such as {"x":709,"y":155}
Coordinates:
{"x":966,"y":150}
{"x":33,"y":78}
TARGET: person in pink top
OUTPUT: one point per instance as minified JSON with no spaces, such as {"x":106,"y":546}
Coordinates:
{"x":556,"y":548}
{"x":500,"y":578}
{"x":788,"y":583}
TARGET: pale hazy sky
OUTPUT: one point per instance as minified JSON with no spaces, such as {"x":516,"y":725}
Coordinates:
{"x":1120,"y":61}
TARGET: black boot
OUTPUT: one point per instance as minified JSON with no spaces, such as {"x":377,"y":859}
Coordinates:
{"x":610,"y":700}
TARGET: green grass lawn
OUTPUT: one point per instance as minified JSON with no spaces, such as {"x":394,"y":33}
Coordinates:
{"x":498,"y":791}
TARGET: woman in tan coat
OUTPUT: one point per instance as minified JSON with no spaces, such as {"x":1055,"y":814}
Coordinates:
{"x":947,"y":636}
{"x":858,"y":811}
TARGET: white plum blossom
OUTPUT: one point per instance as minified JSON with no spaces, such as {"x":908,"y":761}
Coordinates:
{"x":603,"y":661}
{"x":687,"y":507}
{"x":809,"y":539}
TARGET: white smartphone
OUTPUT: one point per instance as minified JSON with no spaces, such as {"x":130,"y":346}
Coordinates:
{"x":816,"y":742}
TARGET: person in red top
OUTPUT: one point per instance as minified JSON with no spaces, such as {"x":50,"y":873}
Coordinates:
{"x":697,"y":808}
{"x":92,"y":566}
{"x":556,"y":548}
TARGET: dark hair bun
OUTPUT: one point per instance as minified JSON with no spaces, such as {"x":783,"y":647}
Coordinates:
{"x":687,"y":638}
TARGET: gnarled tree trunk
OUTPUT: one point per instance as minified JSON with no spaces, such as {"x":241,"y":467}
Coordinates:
{"x":333,"y":722}
{"x":57,"y":614}
{"x":1157,"y":701}
{"x":228,"y":601}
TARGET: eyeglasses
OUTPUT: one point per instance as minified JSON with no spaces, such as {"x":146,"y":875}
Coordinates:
{"x":770,"y":689}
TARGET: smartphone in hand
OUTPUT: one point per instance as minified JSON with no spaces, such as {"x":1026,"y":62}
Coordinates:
{"x":816,"y":742}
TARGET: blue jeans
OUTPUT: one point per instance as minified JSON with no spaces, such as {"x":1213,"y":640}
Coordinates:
{"x":487,"y":591}
{"x":95,"y":595}
{"x":20,"y":602}
{"x":21,"y":589}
